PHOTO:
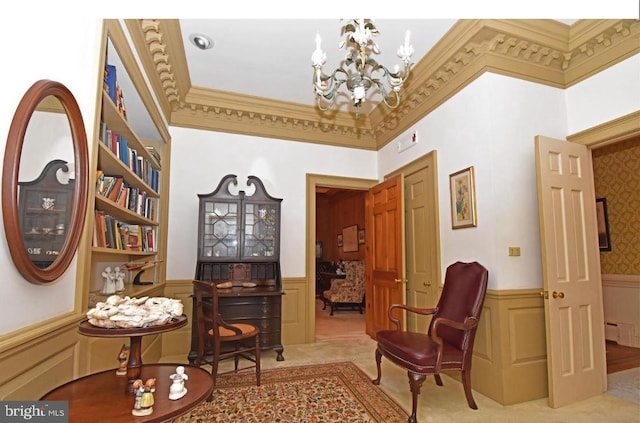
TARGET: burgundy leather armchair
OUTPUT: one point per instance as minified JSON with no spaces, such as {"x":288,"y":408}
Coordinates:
{"x":448,"y":343}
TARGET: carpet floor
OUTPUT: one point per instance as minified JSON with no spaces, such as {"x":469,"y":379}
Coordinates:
{"x":334,"y":392}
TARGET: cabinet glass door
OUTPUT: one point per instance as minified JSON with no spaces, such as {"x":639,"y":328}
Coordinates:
{"x":220,"y":230}
{"x":260,"y":230}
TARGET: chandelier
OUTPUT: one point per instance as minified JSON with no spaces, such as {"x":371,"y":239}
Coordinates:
{"x":365,"y":73}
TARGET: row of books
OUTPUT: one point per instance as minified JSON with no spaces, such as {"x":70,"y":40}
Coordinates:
{"x":154,"y":153}
{"x":112,"y":88}
{"x":109,"y":232}
{"x":130,"y":157}
{"x":116,"y":189}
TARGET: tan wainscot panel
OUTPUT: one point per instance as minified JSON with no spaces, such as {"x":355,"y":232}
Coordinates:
{"x":27,"y":375}
{"x":177,"y":343}
{"x":511,"y":348}
{"x":294,"y":311}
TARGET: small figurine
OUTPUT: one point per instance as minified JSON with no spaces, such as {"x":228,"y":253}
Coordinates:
{"x":138,"y":387}
{"x":123,"y":359}
{"x":177,"y":389}
{"x":119,"y":276}
{"x":144,"y":397}
{"x":109,"y":286}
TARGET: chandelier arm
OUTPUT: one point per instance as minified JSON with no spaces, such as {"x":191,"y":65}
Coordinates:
{"x":328,"y":85}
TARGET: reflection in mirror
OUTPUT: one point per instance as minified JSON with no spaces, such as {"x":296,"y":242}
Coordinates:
{"x":45,"y":182}
{"x":44,"y":211}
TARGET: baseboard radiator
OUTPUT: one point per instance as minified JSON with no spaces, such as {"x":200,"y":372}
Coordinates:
{"x":621,"y":333}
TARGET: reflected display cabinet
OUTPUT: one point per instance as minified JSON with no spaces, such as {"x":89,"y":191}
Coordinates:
{"x":239,"y":246}
{"x":45,"y":211}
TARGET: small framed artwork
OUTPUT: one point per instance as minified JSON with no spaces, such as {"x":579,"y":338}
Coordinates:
{"x":350,"y":236}
{"x":339,"y":240}
{"x":604,"y":239}
{"x":319,"y":250}
{"x":463,"y":199}
{"x":361,"y":236}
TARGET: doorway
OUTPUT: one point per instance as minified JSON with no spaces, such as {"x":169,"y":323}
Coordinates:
{"x":313,"y":182}
{"x":336,"y":209}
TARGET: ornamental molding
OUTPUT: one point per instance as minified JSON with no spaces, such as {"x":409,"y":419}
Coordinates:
{"x":541,"y":51}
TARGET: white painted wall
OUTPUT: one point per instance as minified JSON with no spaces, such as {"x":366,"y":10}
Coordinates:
{"x":199,"y":160}
{"x":490,"y":125}
{"x":34,"y":47}
{"x":605,"y":96}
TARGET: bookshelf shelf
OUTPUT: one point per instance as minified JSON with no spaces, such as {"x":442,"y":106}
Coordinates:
{"x":129,"y":209}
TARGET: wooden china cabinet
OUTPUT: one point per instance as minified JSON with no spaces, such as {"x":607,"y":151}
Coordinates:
{"x":239,"y":244}
{"x":45,"y":211}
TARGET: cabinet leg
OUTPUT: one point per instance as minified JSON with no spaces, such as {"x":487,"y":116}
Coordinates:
{"x":279,"y":350}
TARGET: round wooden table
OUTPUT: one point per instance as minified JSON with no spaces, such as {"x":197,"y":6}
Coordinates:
{"x":135,"y":335}
{"x":103,"y":397}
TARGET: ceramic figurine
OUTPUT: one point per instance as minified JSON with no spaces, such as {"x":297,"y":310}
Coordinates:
{"x":177,"y":389}
{"x":138,"y":387}
{"x":123,"y":359}
{"x":144,"y":404}
{"x":109,"y":286}
{"x":119,"y":276}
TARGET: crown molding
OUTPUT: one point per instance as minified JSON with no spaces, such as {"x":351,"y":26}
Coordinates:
{"x":537,"y":50}
{"x":620,"y":129}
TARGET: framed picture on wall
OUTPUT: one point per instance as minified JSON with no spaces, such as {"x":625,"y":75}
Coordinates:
{"x":361,"y":236}
{"x":319,"y":250}
{"x":604,"y":239}
{"x":463,"y":199}
{"x":350,"y":235}
{"x":339,"y":240}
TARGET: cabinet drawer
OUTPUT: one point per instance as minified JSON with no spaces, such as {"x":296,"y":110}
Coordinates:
{"x":250,"y":311}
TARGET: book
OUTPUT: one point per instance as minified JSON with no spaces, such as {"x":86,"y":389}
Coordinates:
{"x":111,"y":82}
{"x":116,"y":190}
{"x":100,"y":229}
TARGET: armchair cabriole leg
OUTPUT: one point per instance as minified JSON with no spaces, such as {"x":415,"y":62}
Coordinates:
{"x":415,"y":383}
{"x":438,"y":379}
{"x":466,"y":383}
{"x":376,"y":381}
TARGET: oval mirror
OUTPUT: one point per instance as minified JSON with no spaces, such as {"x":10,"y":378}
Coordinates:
{"x":45,"y":182}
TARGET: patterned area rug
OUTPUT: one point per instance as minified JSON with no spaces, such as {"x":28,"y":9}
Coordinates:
{"x":332,"y":392}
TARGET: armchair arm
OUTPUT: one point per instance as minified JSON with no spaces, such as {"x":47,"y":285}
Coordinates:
{"x":469,"y":323}
{"x":417,"y":310}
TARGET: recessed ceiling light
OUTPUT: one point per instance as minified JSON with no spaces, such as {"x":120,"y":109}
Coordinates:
{"x":201,"y":41}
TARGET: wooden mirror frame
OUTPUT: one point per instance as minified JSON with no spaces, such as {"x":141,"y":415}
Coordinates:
{"x":11,"y":167}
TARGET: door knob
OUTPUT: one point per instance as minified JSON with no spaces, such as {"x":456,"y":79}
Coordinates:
{"x":427,"y":283}
{"x":557,"y":294}
{"x":397,"y":280}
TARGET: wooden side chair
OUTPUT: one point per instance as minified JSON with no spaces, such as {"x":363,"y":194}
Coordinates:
{"x":221,"y":340}
{"x":448,"y":343}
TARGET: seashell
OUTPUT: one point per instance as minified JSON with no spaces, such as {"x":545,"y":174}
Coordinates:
{"x":224,"y":285}
{"x":138,"y":301}
{"x":249,"y":284}
{"x":113,"y":300}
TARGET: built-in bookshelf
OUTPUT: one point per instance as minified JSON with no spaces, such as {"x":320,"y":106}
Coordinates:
{"x":127,"y":217}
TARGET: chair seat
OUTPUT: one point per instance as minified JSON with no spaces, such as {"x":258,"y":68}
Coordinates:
{"x":245,"y":328}
{"x":417,"y":351}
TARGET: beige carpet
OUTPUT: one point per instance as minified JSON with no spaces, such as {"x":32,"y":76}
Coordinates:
{"x":335,"y":392}
{"x":625,"y":385}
